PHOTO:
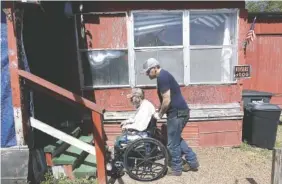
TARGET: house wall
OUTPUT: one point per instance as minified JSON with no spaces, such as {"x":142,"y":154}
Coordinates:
{"x":198,"y":133}
{"x":264,"y":55}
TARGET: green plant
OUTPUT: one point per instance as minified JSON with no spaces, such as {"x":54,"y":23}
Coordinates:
{"x":50,"y":179}
{"x":264,"y":6}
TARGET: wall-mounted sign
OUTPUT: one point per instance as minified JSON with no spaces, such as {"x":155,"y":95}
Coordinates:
{"x":242,"y":71}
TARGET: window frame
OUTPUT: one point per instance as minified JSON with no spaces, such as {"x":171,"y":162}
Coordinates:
{"x":79,"y":51}
{"x":185,"y":46}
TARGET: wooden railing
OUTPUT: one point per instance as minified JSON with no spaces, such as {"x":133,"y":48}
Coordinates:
{"x":60,"y":93}
{"x":276,"y":174}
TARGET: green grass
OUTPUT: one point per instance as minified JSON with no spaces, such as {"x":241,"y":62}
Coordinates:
{"x":64,"y":180}
{"x":278,"y":143}
{"x":263,"y":152}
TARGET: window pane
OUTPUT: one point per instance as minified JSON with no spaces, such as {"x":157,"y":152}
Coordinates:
{"x":106,"y":67}
{"x":157,"y":29}
{"x":212,"y":28}
{"x":170,"y":60}
{"x":211,"y":65}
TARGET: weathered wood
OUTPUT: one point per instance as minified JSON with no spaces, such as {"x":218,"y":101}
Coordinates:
{"x":276,"y":175}
{"x":61,"y":91}
{"x":100,"y":147}
{"x":199,"y":112}
{"x":62,"y":136}
{"x":19,"y":114}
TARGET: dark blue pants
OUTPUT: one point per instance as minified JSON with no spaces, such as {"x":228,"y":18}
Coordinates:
{"x":176,"y":145}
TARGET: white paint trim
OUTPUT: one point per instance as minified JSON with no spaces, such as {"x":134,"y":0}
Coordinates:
{"x":195,"y":115}
{"x":214,"y":83}
{"x":18,"y":126}
{"x":220,"y":10}
{"x":101,"y":13}
{"x":212,"y":46}
{"x":157,"y":11}
{"x":58,"y":170}
{"x":102,"y":49}
{"x":199,"y":112}
{"x":15,"y":148}
{"x":130,"y":46}
{"x":62,"y":136}
{"x":186,"y":44}
{"x":237,"y":46}
{"x":105,"y":87}
{"x":159,"y":48}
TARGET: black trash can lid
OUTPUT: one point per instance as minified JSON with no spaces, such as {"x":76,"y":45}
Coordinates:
{"x":263,"y":107}
{"x":247,"y":92}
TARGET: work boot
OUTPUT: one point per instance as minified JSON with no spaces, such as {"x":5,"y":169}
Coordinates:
{"x":170,"y":172}
{"x":186,"y":167}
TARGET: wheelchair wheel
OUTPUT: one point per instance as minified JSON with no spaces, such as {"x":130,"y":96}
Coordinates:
{"x":146,"y":159}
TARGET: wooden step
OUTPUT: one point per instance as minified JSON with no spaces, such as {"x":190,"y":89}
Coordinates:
{"x":72,"y":153}
{"x":87,"y":169}
{"x":75,"y":162}
{"x":58,"y":147}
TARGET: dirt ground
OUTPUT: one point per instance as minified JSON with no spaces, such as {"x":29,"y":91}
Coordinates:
{"x":243,"y":165}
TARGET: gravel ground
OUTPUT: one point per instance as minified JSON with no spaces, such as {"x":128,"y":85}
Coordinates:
{"x":243,"y":165}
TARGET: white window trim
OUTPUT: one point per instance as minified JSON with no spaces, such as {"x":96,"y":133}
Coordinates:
{"x":186,"y":50}
{"x":186,"y":47}
{"x":131,"y":53}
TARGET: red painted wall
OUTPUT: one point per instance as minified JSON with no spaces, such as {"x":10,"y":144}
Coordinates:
{"x":204,"y":134}
{"x":264,"y":55}
{"x":199,"y":134}
{"x":105,"y":36}
{"x":115,"y":99}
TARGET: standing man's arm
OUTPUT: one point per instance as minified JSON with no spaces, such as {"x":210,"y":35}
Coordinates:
{"x":164,"y":89}
{"x":165,"y":104}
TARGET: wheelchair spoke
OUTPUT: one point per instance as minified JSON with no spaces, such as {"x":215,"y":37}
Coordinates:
{"x":146,"y":159}
{"x":157,"y":164}
{"x":152,"y":151}
{"x":156,"y":157}
{"x":135,"y":158}
{"x":139,"y":153}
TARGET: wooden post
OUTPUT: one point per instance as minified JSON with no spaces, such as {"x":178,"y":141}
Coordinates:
{"x":20,"y":129}
{"x":99,"y":147}
{"x":276,"y":175}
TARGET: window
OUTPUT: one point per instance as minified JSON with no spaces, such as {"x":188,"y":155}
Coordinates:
{"x":212,"y":46}
{"x":158,"y":35}
{"x":196,"y":46}
{"x":103,"y":50}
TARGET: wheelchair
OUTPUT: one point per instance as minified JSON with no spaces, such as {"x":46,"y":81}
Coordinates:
{"x":143,"y":159}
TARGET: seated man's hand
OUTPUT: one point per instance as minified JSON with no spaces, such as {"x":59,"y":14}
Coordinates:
{"x":123,"y":123}
{"x":157,"y":116}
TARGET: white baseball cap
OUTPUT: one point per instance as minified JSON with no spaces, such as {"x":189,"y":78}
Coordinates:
{"x":135,"y":92}
{"x":150,"y":63}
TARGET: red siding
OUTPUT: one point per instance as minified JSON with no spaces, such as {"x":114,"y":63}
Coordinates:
{"x":264,"y":55}
{"x":115,"y":99}
{"x":107,"y":31}
{"x":211,"y":133}
{"x":270,"y":27}
{"x":198,"y":134}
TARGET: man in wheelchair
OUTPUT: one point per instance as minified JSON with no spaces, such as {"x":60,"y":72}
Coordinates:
{"x":139,"y":125}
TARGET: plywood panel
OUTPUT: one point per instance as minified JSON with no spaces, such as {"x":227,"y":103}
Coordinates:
{"x":105,"y":31}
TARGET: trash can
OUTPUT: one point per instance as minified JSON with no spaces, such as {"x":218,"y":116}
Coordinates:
{"x":255,"y":96}
{"x":260,"y":124}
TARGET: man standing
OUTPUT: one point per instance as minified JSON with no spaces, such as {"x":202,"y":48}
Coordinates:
{"x":174,"y":105}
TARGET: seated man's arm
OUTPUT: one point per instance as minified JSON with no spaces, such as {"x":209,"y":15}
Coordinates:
{"x":142,"y":117}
